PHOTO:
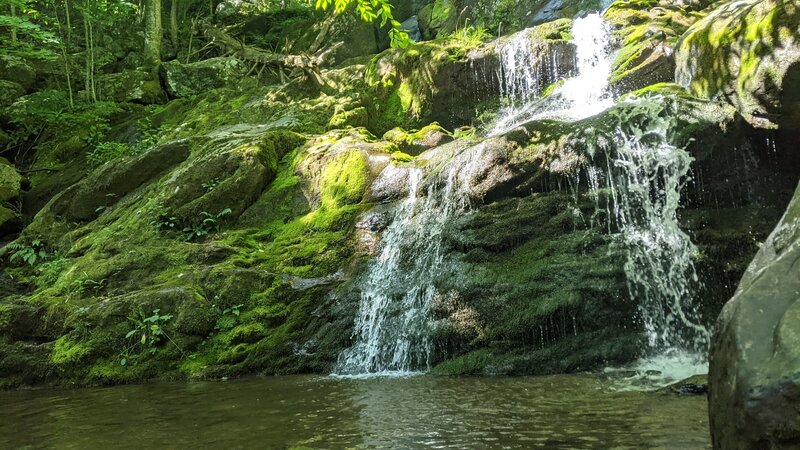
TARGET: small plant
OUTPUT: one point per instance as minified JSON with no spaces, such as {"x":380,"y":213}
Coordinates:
{"x":471,"y":36}
{"x":211,"y":184}
{"x":30,"y":254}
{"x":229,"y":317}
{"x":465,"y":39}
{"x":164,"y":221}
{"x":108,"y":151}
{"x":209,"y":223}
{"x":51,"y":270}
{"x":146,"y":334}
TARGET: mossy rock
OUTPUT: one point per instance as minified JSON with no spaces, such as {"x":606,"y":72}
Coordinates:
{"x":649,"y":31}
{"x":130,"y":86}
{"x":17,"y":70}
{"x":356,"y":117}
{"x":111,"y":182}
{"x":188,"y":80}
{"x":10,"y":181}
{"x":414,"y":142}
{"x":747,"y":53}
{"x":10,"y":221}
{"x":10,"y":91}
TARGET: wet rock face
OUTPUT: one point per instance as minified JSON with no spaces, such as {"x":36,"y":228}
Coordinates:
{"x":755,"y":353}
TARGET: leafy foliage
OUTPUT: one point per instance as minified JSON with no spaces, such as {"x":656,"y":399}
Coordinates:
{"x":146,"y":335}
{"x":108,"y":151}
{"x":370,"y":11}
{"x":229,"y":317}
{"x":209,"y":223}
{"x":50,"y":110}
{"x":28,"y":253}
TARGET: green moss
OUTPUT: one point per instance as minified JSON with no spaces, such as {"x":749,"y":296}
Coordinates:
{"x":344,"y":181}
{"x":68,"y":352}
{"x":738,"y":48}
{"x":247,"y":333}
{"x":470,"y":364}
{"x":6,"y":316}
{"x":351,"y":118}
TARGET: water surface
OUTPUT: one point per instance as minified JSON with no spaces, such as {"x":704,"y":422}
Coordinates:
{"x":559,"y":412}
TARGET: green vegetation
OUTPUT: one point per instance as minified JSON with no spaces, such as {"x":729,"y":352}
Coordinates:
{"x":237,"y":163}
{"x":27,"y":253}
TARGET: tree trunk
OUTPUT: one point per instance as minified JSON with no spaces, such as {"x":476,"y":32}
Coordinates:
{"x":13,"y":30}
{"x":152,"y":33}
{"x":64,"y":52}
{"x":173,"y":25}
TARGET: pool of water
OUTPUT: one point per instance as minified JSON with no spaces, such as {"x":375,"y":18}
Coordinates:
{"x":558,"y":412}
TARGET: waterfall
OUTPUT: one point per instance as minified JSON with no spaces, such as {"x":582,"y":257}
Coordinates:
{"x":577,"y":97}
{"x":636,"y":176}
{"x":524,"y":69}
{"x":644,"y":174}
{"x":393,"y":329}
{"x":587,"y":93}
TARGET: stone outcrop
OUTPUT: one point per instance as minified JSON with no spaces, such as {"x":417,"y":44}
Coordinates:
{"x":747,"y":53}
{"x":187,"y":80}
{"x":755,"y":354}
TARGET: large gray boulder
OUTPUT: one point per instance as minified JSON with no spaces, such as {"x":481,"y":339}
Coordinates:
{"x":755,"y":354}
{"x":130,"y":86}
{"x":187,"y":80}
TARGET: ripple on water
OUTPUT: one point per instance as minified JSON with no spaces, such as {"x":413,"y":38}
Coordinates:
{"x":558,"y":412}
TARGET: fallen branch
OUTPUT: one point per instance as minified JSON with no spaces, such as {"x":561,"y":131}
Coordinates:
{"x":309,"y":63}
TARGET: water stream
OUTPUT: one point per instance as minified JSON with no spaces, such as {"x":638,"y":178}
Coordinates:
{"x":637,"y":164}
{"x":394,"y":324}
{"x":574,"y":97}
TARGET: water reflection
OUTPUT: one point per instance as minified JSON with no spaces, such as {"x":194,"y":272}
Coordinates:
{"x":283,"y":412}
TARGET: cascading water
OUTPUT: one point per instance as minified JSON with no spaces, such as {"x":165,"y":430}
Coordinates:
{"x":637,"y":164}
{"x":577,"y":97}
{"x":394,"y":326}
{"x":644,"y":174}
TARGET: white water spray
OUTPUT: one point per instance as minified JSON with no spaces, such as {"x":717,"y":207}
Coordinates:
{"x":577,"y":97}
{"x":394,"y":326}
{"x":644,"y":174}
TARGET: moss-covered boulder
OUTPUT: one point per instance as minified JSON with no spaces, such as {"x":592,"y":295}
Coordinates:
{"x":747,"y":53}
{"x":414,"y":142}
{"x":18,"y":70}
{"x":130,"y":86}
{"x":755,"y":354}
{"x":10,"y":92}
{"x":188,"y":80}
{"x":227,"y":174}
{"x":10,"y":184}
{"x":85,"y":200}
{"x":356,"y":117}
{"x":10,"y":181}
{"x":648,"y":32}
